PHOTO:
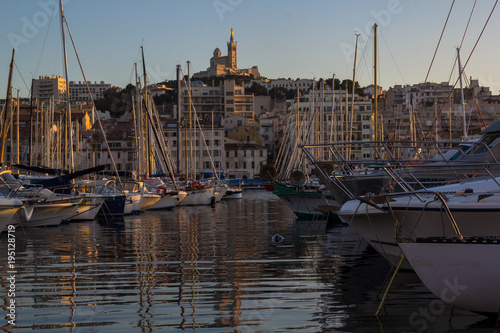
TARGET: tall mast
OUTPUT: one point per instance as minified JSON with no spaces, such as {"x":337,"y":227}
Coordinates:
{"x":18,"y":145}
{"x":351,"y":123}
{"x":138,"y":116}
{"x":333,"y":123}
{"x":146,"y":102}
{"x":6,"y":111}
{"x":69,"y":132}
{"x":179,"y":109}
{"x":190,"y":122}
{"x":461,"y":95}
{"x":375,"y":78}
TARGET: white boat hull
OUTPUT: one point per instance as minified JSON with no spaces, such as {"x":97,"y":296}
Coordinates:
{"x":169,"y":201}
{"x":425,"y":218}
{"x":148,"y":200}
{"x":465,"y":274}
{"x":132,"y":203}
{"x":50,"y":214}
{"x":199,"y":197}
{"x":8,"y":209}
{"x":88,"y":209}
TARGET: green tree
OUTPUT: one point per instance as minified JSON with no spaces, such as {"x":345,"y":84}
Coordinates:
{"x":257,"y":89}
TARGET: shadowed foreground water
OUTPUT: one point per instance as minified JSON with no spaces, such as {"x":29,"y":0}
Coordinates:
{"x":216,"y":269}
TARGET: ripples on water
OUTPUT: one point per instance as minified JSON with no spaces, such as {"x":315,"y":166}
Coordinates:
{"x":215,"y":269}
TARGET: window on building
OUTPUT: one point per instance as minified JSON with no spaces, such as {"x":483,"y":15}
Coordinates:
{"x":236,"y":165}
{"x":244,"y":165}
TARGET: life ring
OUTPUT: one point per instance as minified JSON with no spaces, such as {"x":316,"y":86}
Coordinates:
{"x":196,"y":185}
{"x":161,"y":190}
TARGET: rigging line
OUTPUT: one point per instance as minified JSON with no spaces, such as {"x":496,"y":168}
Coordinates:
{"x":462,"y":41}
{"x":362,"y":59}
{"x":475,"y":105}
{"x":131,"y":74}
{"x":45,"y":39}
{"x":394,"y":60}
{"x":456,"y":82}
{"x":93,"y":104}
{"x":29,"y":90}
{"x":435,"y":52}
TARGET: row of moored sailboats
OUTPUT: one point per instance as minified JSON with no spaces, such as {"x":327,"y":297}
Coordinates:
{"x":27,"y":204}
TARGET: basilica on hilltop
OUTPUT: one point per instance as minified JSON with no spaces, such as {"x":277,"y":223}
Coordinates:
{"x":226,"y":65}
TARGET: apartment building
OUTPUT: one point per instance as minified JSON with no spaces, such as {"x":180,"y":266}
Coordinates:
{"x":47,"y":87}
{"x":80,"y":92}
{"x":219,"y":102}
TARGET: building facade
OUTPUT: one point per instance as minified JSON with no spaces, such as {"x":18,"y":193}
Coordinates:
{"x":80,"y":92}
{"x":226,"y":100}
{"x":47,"y":87}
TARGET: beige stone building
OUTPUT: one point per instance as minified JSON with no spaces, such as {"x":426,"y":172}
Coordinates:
{"x":244,"y":160}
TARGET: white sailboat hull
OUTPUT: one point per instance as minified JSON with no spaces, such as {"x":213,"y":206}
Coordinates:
{"x":169,"y":201}
{"x":88,"y":209}
{"x":132,"y":203}
{"x":198,"y":197}
{"x":425,"y":218}
{"x":8,"y":209}
{"x":148,"y":200}
{"x":50,"y":214}
{"x":465,"y":274}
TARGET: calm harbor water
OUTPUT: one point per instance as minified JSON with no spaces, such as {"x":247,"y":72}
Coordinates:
{"x":216,"y":269}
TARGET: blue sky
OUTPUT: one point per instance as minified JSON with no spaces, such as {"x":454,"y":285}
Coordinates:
{"x":285,"y":38}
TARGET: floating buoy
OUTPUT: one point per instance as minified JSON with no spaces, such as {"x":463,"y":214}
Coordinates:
{"x":277,"y":239}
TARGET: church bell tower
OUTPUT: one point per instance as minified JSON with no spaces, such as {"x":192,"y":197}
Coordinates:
{"x":231,"y":52}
